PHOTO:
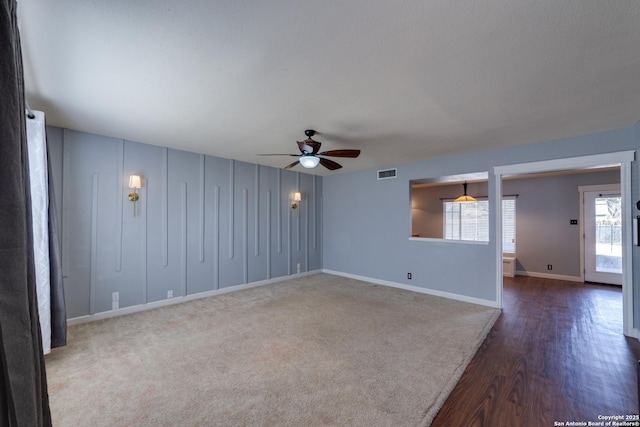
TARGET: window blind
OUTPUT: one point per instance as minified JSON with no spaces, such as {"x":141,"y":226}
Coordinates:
{"x":470,"y":221}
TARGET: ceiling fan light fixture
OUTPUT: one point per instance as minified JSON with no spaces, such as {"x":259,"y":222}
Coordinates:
{"x":309,"y":162}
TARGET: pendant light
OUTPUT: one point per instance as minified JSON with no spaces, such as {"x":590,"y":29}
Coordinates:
{"x":465,"y":198}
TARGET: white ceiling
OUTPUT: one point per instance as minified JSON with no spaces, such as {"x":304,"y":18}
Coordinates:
{"x":402,"y":81}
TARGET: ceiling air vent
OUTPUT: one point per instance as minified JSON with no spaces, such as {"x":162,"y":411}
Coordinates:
{"x":387,"y":173}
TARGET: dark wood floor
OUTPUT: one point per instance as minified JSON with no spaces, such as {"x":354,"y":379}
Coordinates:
{"x":557,"y":353}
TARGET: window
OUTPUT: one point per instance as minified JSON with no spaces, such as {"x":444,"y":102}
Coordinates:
{"x":509,"y":224}
{"x":470,"y":221}
{"x":466,"y":221}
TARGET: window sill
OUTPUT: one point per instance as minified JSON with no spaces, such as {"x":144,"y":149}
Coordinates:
{"x":454,"y":242}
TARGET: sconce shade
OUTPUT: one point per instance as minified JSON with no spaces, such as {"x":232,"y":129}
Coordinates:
{"x":135,"y":181}
{"x":295,"y":199}
{"x":465,"y":198}
{"x":309,"y":162}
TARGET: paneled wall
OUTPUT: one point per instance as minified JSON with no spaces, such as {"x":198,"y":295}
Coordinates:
{"x":202,"y":223}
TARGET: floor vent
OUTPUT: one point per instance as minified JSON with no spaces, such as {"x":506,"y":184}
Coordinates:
{"x":387,"y":173}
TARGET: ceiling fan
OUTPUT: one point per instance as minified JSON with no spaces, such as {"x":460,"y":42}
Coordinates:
{"x":309,"y":154}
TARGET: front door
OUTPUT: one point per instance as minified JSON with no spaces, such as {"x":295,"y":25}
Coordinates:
{"x":602,"y":237}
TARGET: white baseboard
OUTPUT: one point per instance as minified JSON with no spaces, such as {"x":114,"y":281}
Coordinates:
{"x":177,"y":300}
{"x":472,"y":300}
{"x":549,"y":276}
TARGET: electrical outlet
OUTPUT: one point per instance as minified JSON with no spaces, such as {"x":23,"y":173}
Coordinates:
{"x":115,"y":305}
{"x":549,"y":267}
{"x":409,"y":276}
{"x":115,"y":296}
{"x":573,"y":221}
{"x":170,"y":294}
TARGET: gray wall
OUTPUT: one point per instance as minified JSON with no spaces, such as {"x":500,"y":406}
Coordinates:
{"x":367,"y":222}
{"x":202,"y":223}
{"x":544,"y":208}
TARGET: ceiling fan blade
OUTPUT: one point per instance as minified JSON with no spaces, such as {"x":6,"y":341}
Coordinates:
{"x":291,"y":165}
{"x":341,"y":153}
{"x":314,"y":145}
{"x":330,"y":164}
{"x":281,"y":154}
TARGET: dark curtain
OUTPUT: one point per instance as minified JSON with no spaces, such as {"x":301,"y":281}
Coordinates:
{"x":23,"y":384}
{"x":58,"y":309}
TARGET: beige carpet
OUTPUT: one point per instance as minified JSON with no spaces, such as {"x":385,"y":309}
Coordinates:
{"x":314,"y":351}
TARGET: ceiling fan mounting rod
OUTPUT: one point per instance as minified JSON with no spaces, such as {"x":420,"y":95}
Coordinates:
{"x":309,"y":132}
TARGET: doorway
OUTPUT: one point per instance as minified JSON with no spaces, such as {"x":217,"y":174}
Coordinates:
{"x":601,"y":219}
{"x":622,"y":159}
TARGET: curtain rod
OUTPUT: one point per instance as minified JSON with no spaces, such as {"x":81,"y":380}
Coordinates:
{"x":478,"y":197}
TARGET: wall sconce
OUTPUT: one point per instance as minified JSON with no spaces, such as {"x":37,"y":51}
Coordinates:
{"x":297,"y":197}
{"x":135,"y":182}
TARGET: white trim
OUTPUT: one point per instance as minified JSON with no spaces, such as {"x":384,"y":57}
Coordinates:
{"x":627,"y":248}
{"x":582,"y":189}
{"x":583,"y":162}
{"x":457,"y":297}
{"x":497,"y":233}
{"x":600,"y":187}
{"x":171,"y":301}
{"x":550,"y":276}
{"x":452,"y":241}
{"x":624,"y":159}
